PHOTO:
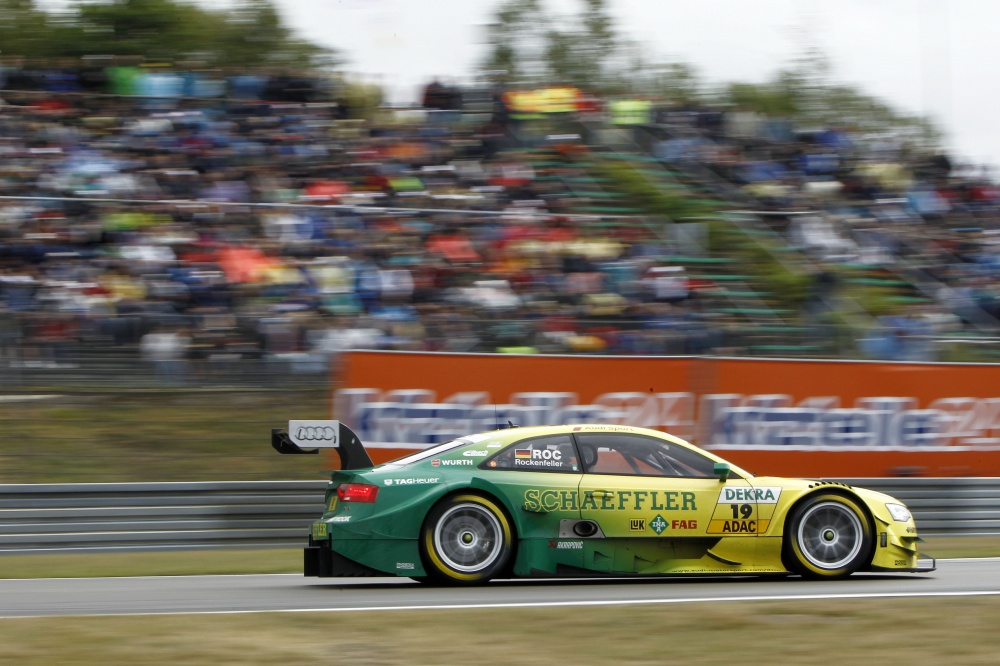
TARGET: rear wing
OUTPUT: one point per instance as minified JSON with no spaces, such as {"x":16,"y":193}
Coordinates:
{"x":318,"y":435}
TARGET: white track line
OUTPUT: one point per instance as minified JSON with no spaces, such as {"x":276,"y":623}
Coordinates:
{"x":538,"y":604}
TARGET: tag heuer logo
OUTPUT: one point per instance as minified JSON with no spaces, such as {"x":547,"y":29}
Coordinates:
{"x":658,"y":524}
{"x":637,"y":525}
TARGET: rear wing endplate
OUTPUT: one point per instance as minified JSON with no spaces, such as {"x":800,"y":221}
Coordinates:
{"x":310,"y":436}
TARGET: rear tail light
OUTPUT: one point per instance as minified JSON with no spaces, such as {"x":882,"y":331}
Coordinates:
{"x":357,"y":492}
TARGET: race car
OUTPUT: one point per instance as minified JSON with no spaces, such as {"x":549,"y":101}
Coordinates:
{"x":586,"y":500}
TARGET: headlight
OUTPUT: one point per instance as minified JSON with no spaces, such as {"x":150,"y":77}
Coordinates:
{"x":899,"y":512}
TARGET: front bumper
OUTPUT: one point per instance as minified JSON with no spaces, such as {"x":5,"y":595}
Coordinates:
{"x":924,"y":564}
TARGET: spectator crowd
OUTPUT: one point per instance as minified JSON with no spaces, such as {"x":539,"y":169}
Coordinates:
{"x":199,"y":219}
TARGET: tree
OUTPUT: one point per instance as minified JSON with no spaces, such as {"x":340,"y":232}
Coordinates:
{"x":524,"y":51}
{"x":676,"y":82}
{"x":254,"y":33}
{"x":774,"y":100}
{"x":250,"y":35}
{"x":584,"y":55}
{"x":517,"y":40}
{"x":25,"y":29}
{"x":590,"y":54}
{"x":807,"y":93}
{"x":157,"y":29}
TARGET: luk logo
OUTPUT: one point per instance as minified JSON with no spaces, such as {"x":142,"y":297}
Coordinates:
{"x":637,"y":525}
{"x":658,"y":524}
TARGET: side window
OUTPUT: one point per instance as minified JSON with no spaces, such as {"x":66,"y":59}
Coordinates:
{"x":552,"y":453}
{"x":618,"y":453}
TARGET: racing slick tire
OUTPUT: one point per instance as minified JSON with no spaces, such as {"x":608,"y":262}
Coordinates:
{"x":466,"y":540}
{"x":829,"y":536}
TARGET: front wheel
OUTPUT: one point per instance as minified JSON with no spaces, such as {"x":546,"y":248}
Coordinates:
{"x":829,"y":536}
{"x":467,"y":539}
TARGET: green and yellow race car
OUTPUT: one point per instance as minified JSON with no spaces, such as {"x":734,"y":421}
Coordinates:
{"x":586,"y":500}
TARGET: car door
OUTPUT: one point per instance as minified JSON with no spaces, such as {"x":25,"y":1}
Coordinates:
{"x":660,"y":506}
{"x":541,"y":477}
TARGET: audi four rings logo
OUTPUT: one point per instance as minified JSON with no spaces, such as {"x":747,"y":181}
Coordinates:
{"x":315,"y":434}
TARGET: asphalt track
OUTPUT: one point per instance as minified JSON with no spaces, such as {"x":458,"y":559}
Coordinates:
{"x":154,"y":595}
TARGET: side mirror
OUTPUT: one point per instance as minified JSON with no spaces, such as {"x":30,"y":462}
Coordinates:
{"x":721,"y":470}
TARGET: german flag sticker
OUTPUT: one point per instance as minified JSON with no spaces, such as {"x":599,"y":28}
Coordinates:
{"x":522,"y":453}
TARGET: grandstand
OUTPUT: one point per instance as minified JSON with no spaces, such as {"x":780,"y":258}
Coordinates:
{"x":203,"y":234}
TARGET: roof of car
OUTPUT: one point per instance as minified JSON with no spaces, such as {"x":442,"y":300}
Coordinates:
{"x":513,"y":433}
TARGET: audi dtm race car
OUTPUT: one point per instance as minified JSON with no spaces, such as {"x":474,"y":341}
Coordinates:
{"x":585,"y":500}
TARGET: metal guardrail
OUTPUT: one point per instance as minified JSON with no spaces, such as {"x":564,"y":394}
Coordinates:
{"x":960,"y":506}
{"x":110,"y":517}
{"x":117,"y":517}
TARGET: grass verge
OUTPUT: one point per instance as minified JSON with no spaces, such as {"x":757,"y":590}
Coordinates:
{"x":183,"y":435}
{"x":176,"y":563}
{"x":931,"y":631}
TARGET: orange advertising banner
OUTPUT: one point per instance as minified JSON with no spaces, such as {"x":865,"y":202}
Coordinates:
{"x":782,"y":417}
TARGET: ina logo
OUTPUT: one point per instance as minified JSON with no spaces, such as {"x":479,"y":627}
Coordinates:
{"x":658,"y":524}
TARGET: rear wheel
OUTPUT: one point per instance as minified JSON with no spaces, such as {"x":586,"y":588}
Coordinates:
{"x":828,"y":536}
{"x":467,"y":539}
